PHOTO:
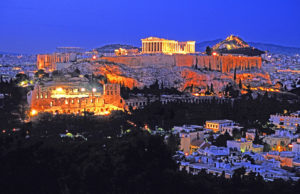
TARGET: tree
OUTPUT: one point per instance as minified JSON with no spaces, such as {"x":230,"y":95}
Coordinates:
{"x":212,"y":88}
{"x":234,"y":75}
{"x":238,"y":174}
{"x":207,"y":92}
{"x":240,"y":84}
{"x":221,"y":140}
{"x":208,"y":51}
{"x":236,"y":134}
{"x":173,"y":142}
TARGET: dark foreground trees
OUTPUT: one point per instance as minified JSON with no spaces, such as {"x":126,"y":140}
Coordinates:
{"x":135,"y":162}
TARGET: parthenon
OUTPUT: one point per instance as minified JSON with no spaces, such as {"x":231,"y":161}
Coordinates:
{"x":160,"y":45}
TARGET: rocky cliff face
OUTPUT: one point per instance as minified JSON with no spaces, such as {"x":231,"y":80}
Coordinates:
{"x":217,"y":63}
{"x":179,"y":77}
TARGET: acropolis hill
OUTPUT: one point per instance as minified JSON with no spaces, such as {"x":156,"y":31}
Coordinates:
{"x":173,"y":63}
{"x":173,"y":53}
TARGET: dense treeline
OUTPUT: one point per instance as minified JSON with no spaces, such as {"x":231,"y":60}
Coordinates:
{"x":246,"y":111}
{"x":135,"y":162}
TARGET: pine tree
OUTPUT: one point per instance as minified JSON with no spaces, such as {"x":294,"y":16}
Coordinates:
{"x":240,"y":84}
{"x":234,"y":75}
{"x":208,"y":51}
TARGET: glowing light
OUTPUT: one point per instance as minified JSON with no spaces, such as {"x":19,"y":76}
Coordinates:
{"x":82,"y":89}
{"x":33,"y":112}
{"x":214,"y":53}
{"x":94,"y":90}
{"x":59,"y":89}
{"x":186,"y":154}
{"x":3,"y":131}
{"x":94,"y":57}
{"x":290,"y":145}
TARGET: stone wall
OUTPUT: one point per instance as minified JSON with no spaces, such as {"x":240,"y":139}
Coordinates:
{"x":41,"y":101}
{"x":217,"y":63}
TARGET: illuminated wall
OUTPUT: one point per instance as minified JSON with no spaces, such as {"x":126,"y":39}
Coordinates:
{"x":160,"y":45}
{"x":74,"y":100}
{"x":215,"y":63}
{"x":121,"y":52}
{"x":48,"y":61}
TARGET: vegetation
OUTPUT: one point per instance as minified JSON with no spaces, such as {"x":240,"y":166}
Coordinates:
{"x":92,"y":154}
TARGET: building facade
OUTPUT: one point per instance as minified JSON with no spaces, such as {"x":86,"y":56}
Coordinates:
{"x":289,"y":122}
{"x":49,"y":62}
{"x":242,"y":145}
{"x":125,"y":52}
{"x":217,"y":125}
{"x":75,"y":98}
{"x":160,"y":45}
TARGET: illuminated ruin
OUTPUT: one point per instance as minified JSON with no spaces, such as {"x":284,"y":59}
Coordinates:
{"x":160,"y":45}
{"x":122,"y":52}
{"x":75,"y":97}
{"x":49,"y":62}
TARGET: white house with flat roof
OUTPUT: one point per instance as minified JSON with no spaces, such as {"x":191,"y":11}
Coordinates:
{"x":217,"y":125}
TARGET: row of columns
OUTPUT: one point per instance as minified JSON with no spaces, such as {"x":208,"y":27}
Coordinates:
{"x":149,"y":47}
{"x":165,"y":46}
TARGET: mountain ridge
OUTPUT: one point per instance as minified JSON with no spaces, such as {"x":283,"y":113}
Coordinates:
{"x":272,"y":48}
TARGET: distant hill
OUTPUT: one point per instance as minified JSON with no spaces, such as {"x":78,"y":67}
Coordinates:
{"x":231,"y":42}
{"x":235,"y":45}
{"x":272,"y":48}
{"x":201,"y":46}
{"x":110,"y":48}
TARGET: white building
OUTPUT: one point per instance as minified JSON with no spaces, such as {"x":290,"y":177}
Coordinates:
{"x":217,"y":125}
{"x":296,"y":146}
{"x":230,"y":129}
{"x":243,"y":145}
{"x":288,"y":122}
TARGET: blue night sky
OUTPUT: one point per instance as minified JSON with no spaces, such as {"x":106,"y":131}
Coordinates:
{"x":32,"y":26}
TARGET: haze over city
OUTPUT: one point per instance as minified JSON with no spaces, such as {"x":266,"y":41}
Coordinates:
{"x":34,"y":26}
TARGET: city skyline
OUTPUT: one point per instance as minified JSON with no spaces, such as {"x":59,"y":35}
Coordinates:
{"x":33,"y":26}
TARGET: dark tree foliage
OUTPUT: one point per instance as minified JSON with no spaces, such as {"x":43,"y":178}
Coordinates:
{"x":110,"y":155}
{"x":243,"y":110}
{"x":221,"y":140}
{"x":208,"y":50}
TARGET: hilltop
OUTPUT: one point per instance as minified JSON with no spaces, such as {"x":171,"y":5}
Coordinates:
{"x":235,"y":45}
{"x":272,"y":48}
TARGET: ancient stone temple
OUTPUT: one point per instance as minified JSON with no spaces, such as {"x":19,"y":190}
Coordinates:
{"x":160,"y":45}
